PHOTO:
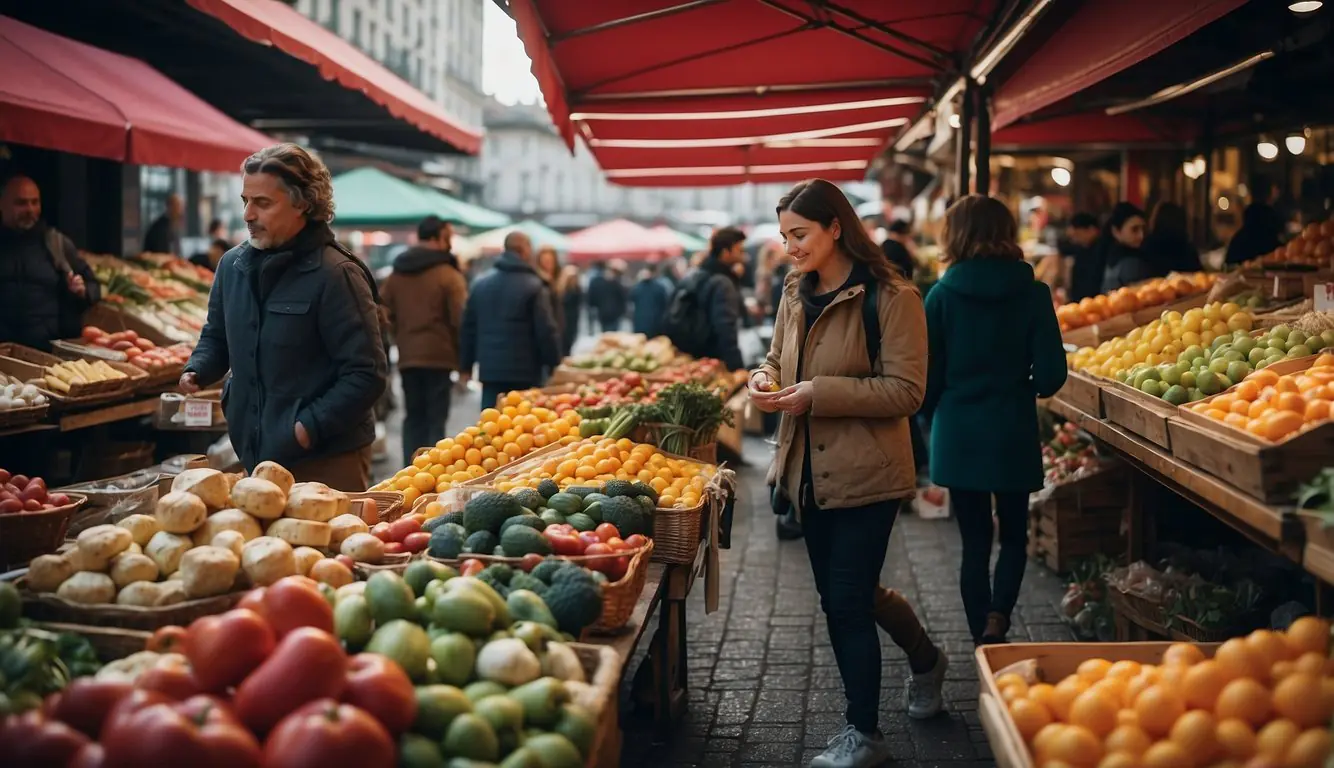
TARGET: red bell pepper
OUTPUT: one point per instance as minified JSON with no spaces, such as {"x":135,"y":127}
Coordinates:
{"x":379,"y":686}
{"x":307,"y":665}
{"x":199,"y":732}
{"x":31,"y":740}
{"x":171,"y":676}
{"x":224,"y":649}
{"x":85,"y":704}
{"x":289,"y":603}
{"x":326,"y":734}
{"x":607,"y":531}
{"x":588,"y":538}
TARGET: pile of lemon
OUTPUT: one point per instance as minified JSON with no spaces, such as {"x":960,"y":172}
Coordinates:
{"x":1163,"y":340}
{"x":1261,"y":701}
{"x":679,"y":482}
{"x":500,"y":437}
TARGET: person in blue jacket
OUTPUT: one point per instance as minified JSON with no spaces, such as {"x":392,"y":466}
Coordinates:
{"x":994,"y":347}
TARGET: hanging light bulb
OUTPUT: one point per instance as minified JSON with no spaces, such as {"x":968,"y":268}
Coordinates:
{"x":1201,"y":165}
{"x":1296,"y":143}
{"x":954,"y":120}
{"x":1223,"y":204}
{"x":1193,"y":168}
{"x":1305,"y":6}
{"x":1267,"y":149}
{"x":1061,"y":176}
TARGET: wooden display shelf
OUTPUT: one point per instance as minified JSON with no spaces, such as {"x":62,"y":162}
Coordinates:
{"x":1138,"y":412}
{"x":1082,"y":391}
{"x":106,"y":415}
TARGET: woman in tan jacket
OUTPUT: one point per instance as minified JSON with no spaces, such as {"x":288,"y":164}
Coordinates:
{"x":844,"y":453}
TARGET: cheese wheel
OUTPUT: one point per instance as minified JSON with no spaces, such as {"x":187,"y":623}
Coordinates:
{"x":300,"y":533}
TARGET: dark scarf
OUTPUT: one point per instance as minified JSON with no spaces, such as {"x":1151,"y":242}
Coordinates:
{"x":806,"y":287}
{"x":273,"y":262}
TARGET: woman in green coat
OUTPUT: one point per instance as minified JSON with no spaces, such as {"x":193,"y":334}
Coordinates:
{"x":994,"y":346}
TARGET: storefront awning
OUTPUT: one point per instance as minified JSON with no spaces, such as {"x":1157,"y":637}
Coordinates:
{"x":369,"y":197}
{"x":746,"y":91}
{"x":621,"y":239}
{"x":1101,"y":38}
{"x":1091,"y":130}
{"x":63,"y":95}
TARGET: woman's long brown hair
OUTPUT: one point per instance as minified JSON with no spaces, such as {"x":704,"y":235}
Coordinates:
{"x":980,"y":227}
{"x":824,"y":203}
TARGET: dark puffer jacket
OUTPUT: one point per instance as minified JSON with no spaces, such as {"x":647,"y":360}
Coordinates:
{"x":298,"y":326}
{"x":509,"y":330}
{"x":36,"y":306}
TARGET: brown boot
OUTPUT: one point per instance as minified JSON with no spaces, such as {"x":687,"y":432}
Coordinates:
{"x":998,"y":626}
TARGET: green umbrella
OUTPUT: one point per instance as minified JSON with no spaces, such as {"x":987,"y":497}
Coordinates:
{"x":369,"y":197}
{"x":494,"y":241}
{"x":689,"y":243}
{"x":471,"y":216}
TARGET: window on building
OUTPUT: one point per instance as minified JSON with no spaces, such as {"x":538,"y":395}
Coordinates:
{"x":389,"y":10}
{"x":335,"y":19}
{"x":356,"y":27}
{"x":526,"y":185}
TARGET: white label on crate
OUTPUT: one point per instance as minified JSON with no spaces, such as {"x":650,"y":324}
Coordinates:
{"x":1323,"y":296}
{"x":198,"y":413}
{"x":1278,"y":283}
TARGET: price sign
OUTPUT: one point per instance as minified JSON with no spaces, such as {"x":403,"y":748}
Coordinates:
{"x":1323,"y":296}
{"x":198,"y":413}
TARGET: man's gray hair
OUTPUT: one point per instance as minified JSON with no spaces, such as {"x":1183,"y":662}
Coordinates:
{"x":305,"y":178}
{"x":516,"y":241}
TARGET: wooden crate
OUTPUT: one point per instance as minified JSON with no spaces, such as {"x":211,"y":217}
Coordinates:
{"x":1081,"y":391}
{"x":111,"y":320}
{"x":170,"y":415}
{"x":1046,"y":662}
{"x":1097,"y":333}
{"x":1142,"y":414}
{"x":1080,"y":518}
{"x":1318,"y":552}
{"x":1265,"y":470}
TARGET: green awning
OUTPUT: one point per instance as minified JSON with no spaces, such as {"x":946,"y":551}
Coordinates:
{"x":689,"y":243}
{"x":369,"y":197}
{"x":494,"y":241}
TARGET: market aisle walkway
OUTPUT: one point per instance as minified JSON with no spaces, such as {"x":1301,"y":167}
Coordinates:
{"x":764,"y":688}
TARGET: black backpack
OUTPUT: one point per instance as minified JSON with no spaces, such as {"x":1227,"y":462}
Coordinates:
{"x":686,"y":323}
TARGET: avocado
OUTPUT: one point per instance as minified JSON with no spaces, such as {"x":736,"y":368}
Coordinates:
{"x":529,"y":582}
{"x":644,"y":489}
{"x":574,"y":604}
{"x":389,"y":598}
{"x":419,"y":573}
{"x":552,"y":517}
{"x":615,"y":488}
{"x":530,"y":520}
{"x":594,"y":510}
{"x":593,"y":497}
{"x":487,"y":510}
{"x":521,"y":540}
{"x":565,"y":503}
{"x":527,"y":497}
{"x":528,"y":606}
{"x":548,"y":488}
{"x":581,"y":522}
{"x":480,"y":543}
{"x":581,"y":490}
{"x":445,"y":543}
{"x":628,"y":516}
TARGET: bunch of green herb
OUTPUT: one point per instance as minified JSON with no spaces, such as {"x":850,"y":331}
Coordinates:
{"x":1318,"y":495}
{"x":1213,"y":606}
{"x":35,"y":662}
{"x":690,"y":415}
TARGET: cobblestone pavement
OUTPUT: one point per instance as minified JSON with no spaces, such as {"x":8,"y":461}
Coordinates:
{"x":764,"y":690}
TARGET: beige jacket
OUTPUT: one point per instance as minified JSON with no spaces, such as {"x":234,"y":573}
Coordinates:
{"x":861,"y":449}
{"x":426,"y":314}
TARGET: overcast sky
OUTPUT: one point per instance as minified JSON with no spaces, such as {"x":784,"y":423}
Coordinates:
{"x":506,"y":70}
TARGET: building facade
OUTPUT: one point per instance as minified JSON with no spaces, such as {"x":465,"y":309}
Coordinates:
{"x":435,"y":45}
{"x":529,"y":173}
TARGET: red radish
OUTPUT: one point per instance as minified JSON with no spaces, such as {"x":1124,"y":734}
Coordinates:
{"x":417,"y":541}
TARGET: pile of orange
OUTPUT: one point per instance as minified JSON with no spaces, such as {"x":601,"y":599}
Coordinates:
{"x":500,"y":437}
{"x":1263,"y":701}
{"x":679,"y":482}
{"x":1273,"y":407}
{"x":1312,"y":248}
{"x":1150,"y":293}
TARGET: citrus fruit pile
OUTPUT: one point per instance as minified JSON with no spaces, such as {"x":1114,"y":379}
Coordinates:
{"x":1151,"y":293}
{"x":1164,"y":339}
{"x":500,"y":436}
{"x":678,"y":482}
{"x":1263,"y":700}
{"x":1273,"y":407}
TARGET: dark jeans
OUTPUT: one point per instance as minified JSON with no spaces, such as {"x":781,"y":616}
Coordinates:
{"x":847,"y":550}
{"x":491,"y":391}
{"x":973,"y":511}
{"x":426,"y":394}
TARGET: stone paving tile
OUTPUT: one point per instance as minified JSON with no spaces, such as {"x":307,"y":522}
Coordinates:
{"x":764,"y":688}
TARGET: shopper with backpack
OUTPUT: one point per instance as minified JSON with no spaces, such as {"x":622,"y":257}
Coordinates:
{"x":844,"y":455}
{"x":704,"y":313}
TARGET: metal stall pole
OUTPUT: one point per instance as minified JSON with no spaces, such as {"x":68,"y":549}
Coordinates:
{"x":963,"y":142}
{"x":983,"y":183}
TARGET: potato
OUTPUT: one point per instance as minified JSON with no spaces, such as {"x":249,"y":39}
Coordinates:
{"x":208,"y":484}
{"x":166,"y":549}
{"x":313,"y":501}
{"x":208,"y":571}
{"x":180,"y":512}
{"x":127,"y":568}
{"x":305,"y":558}
{"x":331,"y":572}
{"x":363,"y":547}
{"x":141,"y":527}
{"x":228,"y":520}
{"x":88,"y":588}
{"x":171,"y":592}
{"x":141,"y":593}
{"x":300,"y":533}
{"x":268,"y":559}
{"x":47,"y":572}
{"x":259,"y":497}
{"x":343,"y":526}
{"x":232,"y":540}
{"x":275,"y":473}
{"x":134,"y":549}
{"x":97,"y":545}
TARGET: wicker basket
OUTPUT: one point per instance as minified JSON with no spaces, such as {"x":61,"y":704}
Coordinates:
{"x":1139,"y":610}
{"x":677,"y":533}
{"x":109,"y":643}
{"x":389,"y":504}
{"x":398,"y":563}
{"x":16,"y":417}
{"x":653,"y":433}
{"x":25,"y":535}
{"x":602,"y":668}
{"x":48,"y":607}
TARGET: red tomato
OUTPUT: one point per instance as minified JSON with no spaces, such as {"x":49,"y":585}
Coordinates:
{"x":130,"y":705}
{"x":471,"y":567}
{"x":254,"y":600}
{"x":347,"y":562}
{"x":399,"y":529}
{"x":615,"y":543}
{"x":588,"y":537}
{"x":33,"y":741}
{"x":326,"y":734}
{"x":296,"y":601}
{"x":380,"y":531}
{"x":167,"y":639}
{"x":616,"y":568}
{"x":530,"y":561}
{"x":19,"y":482}
{"x":308,"y":664}
{"x":394,"y":548}
{"x":198,"y":732}
{"x":85,"y":704}
{"x":379,"y":686}
{"x":4,"y":476}
{"x":416,"y":542}
{"x":32,"y":505}
{"x":635,"y":541}
{"x":224,"y":649}
{"x":563,"y":543}
{"x":171,"y":677}
{"x":607,"y":531}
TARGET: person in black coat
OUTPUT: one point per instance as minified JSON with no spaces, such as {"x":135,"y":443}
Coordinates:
{"x":571,"y":295}
{"x":294,"y":316}
{"x":1258,"y":235}
{"x":649,"y":300}
{"x":1122,"y":248}
{"x":607,"y":298}
{"x":716,"y":285}
{"x":44,"y":286}
{"x":898,"y":248}
{"x":1168,"y":248}
{"x":509,"y":330}
{"x":1080,"y":246}
{"x":163,"y":234}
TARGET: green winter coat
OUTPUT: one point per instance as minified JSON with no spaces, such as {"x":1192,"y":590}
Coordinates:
{"x":994,"y":346}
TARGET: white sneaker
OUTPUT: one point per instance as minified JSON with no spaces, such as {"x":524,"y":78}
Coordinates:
{"x":923,"y":691}
{"x":850,"y":748}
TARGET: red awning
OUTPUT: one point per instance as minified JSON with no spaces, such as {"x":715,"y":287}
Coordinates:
{"x":1092,"y":128}
{"x":745,"y":90}
{"x":621,"y":239}
{"x":63,"y":95}
{"x":1102,"y":38}
{"x":273,"y":23}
